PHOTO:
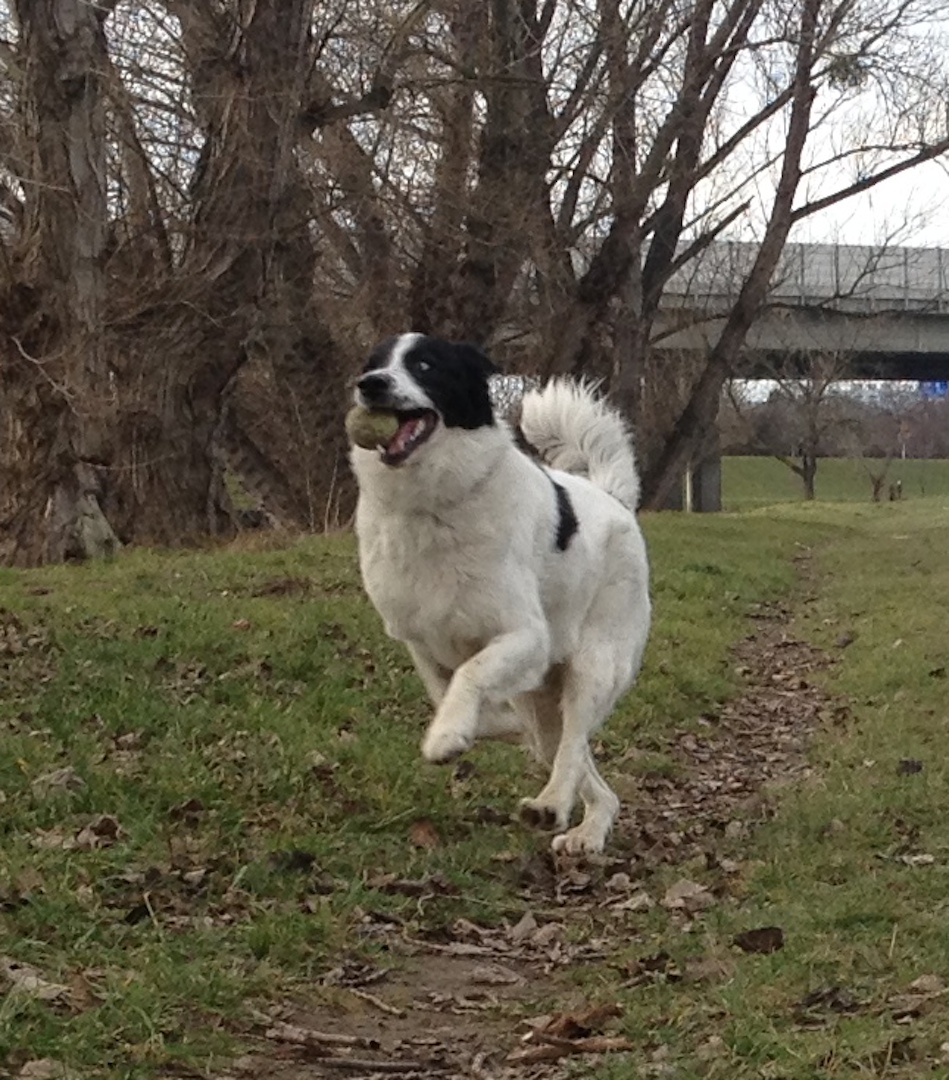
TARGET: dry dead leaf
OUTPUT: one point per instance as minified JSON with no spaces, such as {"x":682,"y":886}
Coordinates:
{"x":713,"y":1046}
{"x":707,"y":969}
{"x":523,"y":929}
{"x":25,"y":980}
{"x":575,"y":1025}
{"x":423,"y":834}
{"x":551,"y":1048}
{"x":638,"y":901}
{"x":28,"y":881}
{"x":571,"y":879}
{"x":45,"y":839}
{"x":563,"y":1034}
{"x":620,"y":882}
{"x":83,"y":994}
{"x":909,"y":767}
{"x":435,"y":885}
{"x":928,"y":984}
{"x":688,"y":896}
{"x":43,"y":1069}
{"x":494,"y":975}
{"x":835,"y":999}
{"x":103,"y":831}
{"x":923,"y":859}
{"x":763,"y":939}
{"x":547,"y":934}
{"x":56,"y":782}
{"x":658,"y":966}
{"x":130,"y":740}
{"x":189,"y":811}
{"x":921,"y":998}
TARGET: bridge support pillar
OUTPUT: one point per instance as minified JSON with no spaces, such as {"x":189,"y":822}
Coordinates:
{"x":703,"y":479}
{"x":699,"y":489}
{"x":705,"y":485}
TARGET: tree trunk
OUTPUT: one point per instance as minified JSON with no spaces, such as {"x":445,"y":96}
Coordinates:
{"x":114,"y":405}
{"x":54,"y":374}
{"x":703,"y":405}
{"x":809,"y":475}
{"x":514,"y":158}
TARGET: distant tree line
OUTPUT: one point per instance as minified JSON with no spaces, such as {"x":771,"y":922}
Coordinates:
{"x":888,"y":423}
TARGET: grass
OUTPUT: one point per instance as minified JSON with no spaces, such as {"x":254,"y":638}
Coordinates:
{"x":751,"y":482}
{"x":243,"y":741}
{"x":855,"y":865}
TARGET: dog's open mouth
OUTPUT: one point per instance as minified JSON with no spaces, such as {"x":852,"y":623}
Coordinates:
{"x":414,"y":429}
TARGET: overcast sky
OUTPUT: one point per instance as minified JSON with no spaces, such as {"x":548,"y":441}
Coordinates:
{"x":914,"y":204}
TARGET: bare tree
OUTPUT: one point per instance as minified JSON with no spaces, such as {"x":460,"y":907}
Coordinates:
{"x":804,"y":407}
{"x":138,"y":288}
{"x":208,"y":210}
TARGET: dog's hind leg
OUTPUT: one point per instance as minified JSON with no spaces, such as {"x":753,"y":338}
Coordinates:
{"x":600,"y":810}
{"x":544,"y":727}
{"x":434,"y":677}
{"x":590,"y":691}
{"x":540,"y":719}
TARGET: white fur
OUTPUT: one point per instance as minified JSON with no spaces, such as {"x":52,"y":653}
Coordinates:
{"x":510,"y":635}
{"x":577,"y":432}
{"x":406,"y":392}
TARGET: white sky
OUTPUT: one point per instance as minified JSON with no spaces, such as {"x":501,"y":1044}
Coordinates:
{"x":914,"y":205}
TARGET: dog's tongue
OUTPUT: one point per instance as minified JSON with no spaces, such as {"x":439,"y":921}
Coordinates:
{"x":405,"y":436}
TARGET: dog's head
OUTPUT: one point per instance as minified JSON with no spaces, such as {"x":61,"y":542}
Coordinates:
{"x":428,"y":384}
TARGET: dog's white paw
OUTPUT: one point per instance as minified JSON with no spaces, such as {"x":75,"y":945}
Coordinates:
{"x":541,"y":815}
{"x":443,"y":744}
{"x":580,"y":841}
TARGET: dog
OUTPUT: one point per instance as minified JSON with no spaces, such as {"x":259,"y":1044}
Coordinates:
{"x":519,"y":582}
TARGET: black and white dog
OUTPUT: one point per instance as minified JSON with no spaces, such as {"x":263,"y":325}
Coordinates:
{"x":519,"y":586}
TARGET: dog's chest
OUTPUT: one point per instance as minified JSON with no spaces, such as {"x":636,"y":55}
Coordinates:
{"x":427,"y":586}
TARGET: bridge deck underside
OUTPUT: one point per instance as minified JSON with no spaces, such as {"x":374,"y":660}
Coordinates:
{"x":884,"y":345}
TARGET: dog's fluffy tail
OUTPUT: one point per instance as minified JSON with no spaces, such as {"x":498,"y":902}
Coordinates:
{"x":575,"y":430}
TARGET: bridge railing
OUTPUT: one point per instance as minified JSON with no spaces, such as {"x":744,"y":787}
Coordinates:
{"x":850,"y":278}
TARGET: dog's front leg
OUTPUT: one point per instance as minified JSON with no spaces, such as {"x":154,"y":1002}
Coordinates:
{"x":509,"y":664}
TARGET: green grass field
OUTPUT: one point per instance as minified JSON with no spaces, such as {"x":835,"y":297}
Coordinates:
{"x":209,"y":781}
{"x":748,"y":482}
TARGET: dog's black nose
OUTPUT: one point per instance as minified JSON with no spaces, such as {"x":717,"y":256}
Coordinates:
{"x":373,"y":386}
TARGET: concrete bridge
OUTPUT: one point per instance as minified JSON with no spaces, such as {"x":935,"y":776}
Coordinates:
{"x":882,"y":311}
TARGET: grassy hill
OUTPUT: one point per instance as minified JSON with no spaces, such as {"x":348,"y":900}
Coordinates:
{"x":748,"y":482}
{"x":212,"y":809}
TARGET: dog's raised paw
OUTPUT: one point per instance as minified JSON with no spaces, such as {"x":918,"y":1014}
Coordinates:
{"x":441,"y":746}
{"x":539,"y":815}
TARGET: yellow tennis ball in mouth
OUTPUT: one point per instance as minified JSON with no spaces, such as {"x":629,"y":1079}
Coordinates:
{"x":368,"y":428}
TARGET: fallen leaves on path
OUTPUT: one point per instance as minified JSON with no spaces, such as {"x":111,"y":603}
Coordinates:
{"x":568,"y":1033}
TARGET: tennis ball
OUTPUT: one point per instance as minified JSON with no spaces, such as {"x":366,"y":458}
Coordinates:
{"x":368,"y":428}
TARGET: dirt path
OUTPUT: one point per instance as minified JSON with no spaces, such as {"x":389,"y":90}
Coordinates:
{"x":455,"y":1005}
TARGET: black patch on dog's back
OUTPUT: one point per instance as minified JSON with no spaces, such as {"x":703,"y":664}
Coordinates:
{"x":567,"y":524}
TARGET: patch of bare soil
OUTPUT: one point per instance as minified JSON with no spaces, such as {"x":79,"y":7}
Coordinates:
{"x":492,"y":1003}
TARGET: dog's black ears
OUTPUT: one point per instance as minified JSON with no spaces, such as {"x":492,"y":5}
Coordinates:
{"x":474,"y":357}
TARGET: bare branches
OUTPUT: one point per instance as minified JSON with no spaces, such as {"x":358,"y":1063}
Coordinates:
{"x":866,"y":183}
{"x":527,"y":173}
